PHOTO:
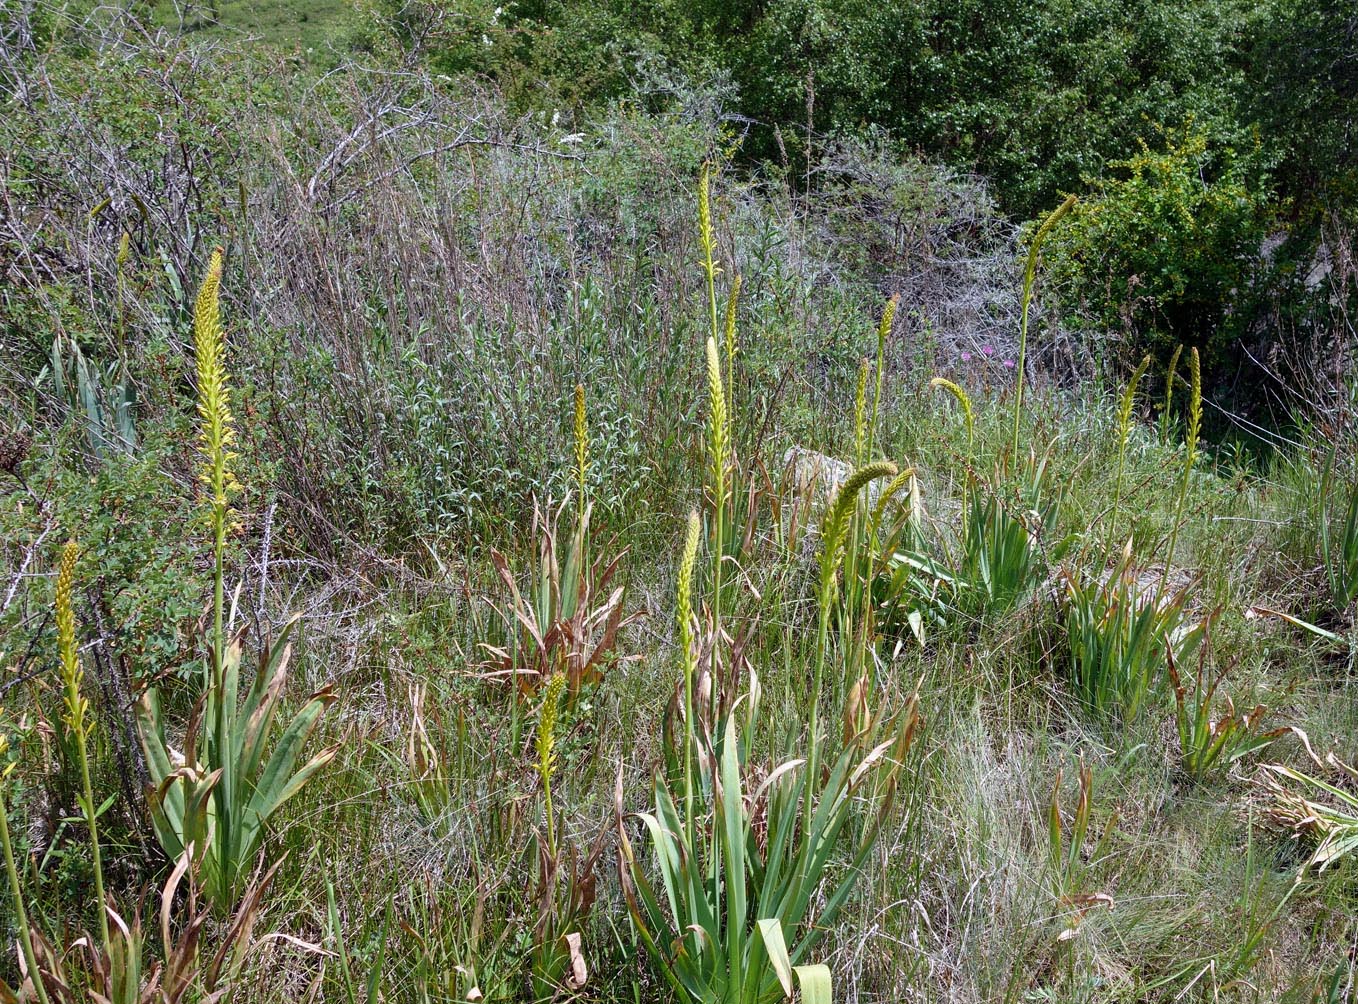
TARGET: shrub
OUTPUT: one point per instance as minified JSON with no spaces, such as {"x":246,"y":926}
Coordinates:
{"x":1168,"y":248}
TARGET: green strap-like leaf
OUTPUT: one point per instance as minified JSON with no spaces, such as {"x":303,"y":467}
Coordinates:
{"x":815,"y":983}
{"x":771,"y":933}
{"x":279,"y":780}
{"x":260,"y":707}
{"x":733,"y":839}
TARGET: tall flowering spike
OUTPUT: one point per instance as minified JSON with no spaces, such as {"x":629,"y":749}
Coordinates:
{"x":71,"y":674}
{"x":546,"y":750}
{"x":718,"y":445}
{"x":1029,"y":276}
{"x":716,"y":392}
{"x":546,"y":737}
{"x":1129,"y":396}
{"x":581,"y":442}
{"x":685,"y":591}
{"x":214,"y":393}
{"x":837,"y":522}
{"x":942,"y":383}
{"x":1194,"y":402}
{"x":888,"y":317}
{"x":883,"y":332}
{"x":705,"y":238}
{"x":1169,"y":376}
{"x":687,"y":562}
{"x":65,"y":612}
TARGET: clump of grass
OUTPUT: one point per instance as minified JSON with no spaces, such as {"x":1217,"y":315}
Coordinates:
{"x":1070,"y":855}
{"x":718,"y":926}
{"x":428,"y":784}
{"x":569,"y":616}
{"x":1121,"y":634}
{"x":1206,"y":742}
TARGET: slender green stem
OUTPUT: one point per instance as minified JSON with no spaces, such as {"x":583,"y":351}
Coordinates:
{"x":224,"y":792}
{"x":551,"y":816}
{"x":1029,"y":276}
{"x":101,"y":902}
{"x":17,"y":899}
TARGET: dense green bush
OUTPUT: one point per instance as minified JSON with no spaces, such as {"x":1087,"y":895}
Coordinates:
{"x":1168,"y":250}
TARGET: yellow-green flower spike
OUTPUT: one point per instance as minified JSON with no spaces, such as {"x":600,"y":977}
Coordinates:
{"x":716,"y":394}
{"x":1169,"y":376}
{"x":214,"y":395}
{"x":581,"y":443}
{"x":837,"y":522}
{"x":888,"y":318}
{"x":1194,"y":402}
{"x":706,"y":239}
{"x":546,"y":737}
{"x":687,"y":562}
{"x":942,"y":383}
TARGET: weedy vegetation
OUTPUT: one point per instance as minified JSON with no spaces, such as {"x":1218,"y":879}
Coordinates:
{"x":435,"y":570}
